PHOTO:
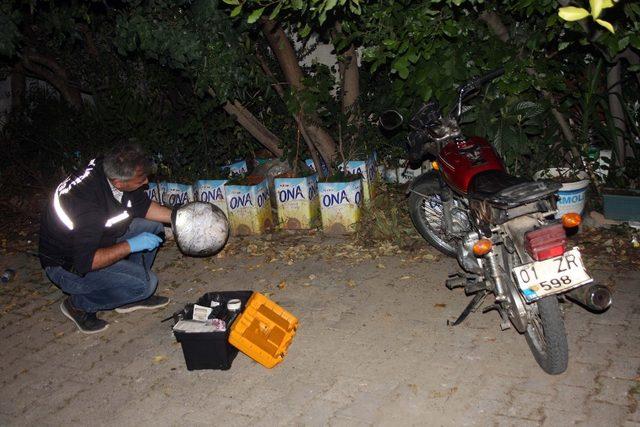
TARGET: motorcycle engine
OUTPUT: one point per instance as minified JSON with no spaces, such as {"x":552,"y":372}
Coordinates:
{"x":460,"y":221}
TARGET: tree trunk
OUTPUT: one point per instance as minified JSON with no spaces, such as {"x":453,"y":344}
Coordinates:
{"x":614,"y":86}
{"x":284,"y":52}
{"x":350,"y":80}
{"x":18,"y":88}
{"x":633,"y":59}
{"x":48,"y":69}
{"x":494,"y":23}
{"x":303,"y":130}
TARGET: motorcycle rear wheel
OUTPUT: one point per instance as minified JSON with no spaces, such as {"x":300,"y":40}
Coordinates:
{"x":425,"y":210}
{"x":547,"y":337}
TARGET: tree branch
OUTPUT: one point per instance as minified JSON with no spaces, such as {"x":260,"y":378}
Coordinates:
{"x":280,"y":91}
{"x":252,"y":125}
{"x":47,"y":69}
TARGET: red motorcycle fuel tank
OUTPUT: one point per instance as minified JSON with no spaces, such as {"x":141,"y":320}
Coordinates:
{"x":460,"y":161}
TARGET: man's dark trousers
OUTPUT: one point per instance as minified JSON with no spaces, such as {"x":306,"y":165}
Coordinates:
{"x":128,"y":280}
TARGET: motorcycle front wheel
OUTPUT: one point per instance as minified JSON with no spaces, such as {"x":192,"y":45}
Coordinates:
{"x":547,"y":337}
{"x":426,"y":211}
{"x":545,"y":334}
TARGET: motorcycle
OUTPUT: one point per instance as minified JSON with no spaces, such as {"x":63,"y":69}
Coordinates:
{"x":501,"y":228}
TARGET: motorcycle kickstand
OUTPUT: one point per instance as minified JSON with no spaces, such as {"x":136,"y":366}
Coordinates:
{"x":505,"y":323}
{"x":473,"y":306}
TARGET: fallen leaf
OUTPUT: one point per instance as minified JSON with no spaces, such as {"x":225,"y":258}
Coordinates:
{"x":312,"y":276}
{"x":439,"y":305}
{"x":159,"y":359}
{"x":351,"y":283}
{"x":282,"y":284}
{"x":405,"y":277}
{"x":58,"y":334}
{"x":381,"y":266}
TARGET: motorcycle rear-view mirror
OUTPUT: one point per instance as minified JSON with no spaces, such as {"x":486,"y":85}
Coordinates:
{"x":390,"y":120}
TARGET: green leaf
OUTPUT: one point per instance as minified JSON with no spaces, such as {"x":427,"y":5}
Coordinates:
{"x":275,"y":11}
{"x":389,"y":43}
{"x":623,"y":43}
{"x":606,"y":24}
{"x":598,"y":5}
{"x":401,"y":66}
{"x":322,"y":18}
{"x":354,"y":7}
{"x":562,"y":45}
{"x":571,"y":13}
{"x":236,"y":11}
{"x":528,"y":109}
{"x":255,"y":15}
{"x":232,"y":2}
{"x":329,"y":4}
{"x":304,"y":32}
{"x":450,"y":28}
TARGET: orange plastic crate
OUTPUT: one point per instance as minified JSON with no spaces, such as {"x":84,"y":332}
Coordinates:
{"x":263,"y":331}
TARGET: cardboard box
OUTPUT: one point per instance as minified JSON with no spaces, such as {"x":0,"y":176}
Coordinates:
{"x":249,"y":208}
{"x":175,"y":194}
{"x":298,"y":202}
{"x":211,"y":191}
{"x":154,"y":192}
{"x":366,"y":168}
{"x":237,"y":168}
{"x":340,"y":204}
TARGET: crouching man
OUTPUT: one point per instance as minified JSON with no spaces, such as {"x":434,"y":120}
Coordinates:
{"x":99,"y":236}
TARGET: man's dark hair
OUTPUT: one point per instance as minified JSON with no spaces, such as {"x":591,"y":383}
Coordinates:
{"x":122,"y":161}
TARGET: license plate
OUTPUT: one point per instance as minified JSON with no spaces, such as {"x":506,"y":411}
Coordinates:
{"x":551,"y":276}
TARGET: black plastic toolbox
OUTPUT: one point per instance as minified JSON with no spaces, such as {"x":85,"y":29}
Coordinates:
{"x":209,"y":350}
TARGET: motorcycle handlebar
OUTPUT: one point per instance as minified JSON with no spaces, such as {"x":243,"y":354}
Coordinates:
{"x":490,"y":76}
{"x":479,"y":81}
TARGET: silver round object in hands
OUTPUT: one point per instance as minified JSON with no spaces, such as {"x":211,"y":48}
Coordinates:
{"x":200,"y":228}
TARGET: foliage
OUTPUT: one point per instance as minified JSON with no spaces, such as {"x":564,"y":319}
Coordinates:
{"x":49,"y":138}
{"x":172,"y":52}
{"x":572,"y":13}
{"x":196,"y":38}
{"x":385,"y":218}
{"x":627,"y":176}
{"x":512,"y":130}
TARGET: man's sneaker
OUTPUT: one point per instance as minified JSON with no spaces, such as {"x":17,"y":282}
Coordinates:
{"x":151,"y":303}
{"x":87,"y":323}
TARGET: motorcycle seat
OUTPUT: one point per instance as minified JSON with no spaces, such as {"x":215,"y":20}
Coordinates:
{"x":500,"y":188}
{"x":486,"y":184}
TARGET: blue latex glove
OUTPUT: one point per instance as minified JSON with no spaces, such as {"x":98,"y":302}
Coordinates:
{"x":144,"y":242}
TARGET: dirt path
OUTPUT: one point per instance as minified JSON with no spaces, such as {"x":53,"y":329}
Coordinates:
{"x":373,"y":347}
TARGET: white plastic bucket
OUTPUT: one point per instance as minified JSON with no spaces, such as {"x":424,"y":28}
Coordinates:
{"x":572,"y":195}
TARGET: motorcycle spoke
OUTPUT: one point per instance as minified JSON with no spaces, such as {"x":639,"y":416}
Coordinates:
{"x":538,"y":334}
{"x":432,"y":211}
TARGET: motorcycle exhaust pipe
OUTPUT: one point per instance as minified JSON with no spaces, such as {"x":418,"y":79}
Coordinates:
{"x":595,"y":297}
